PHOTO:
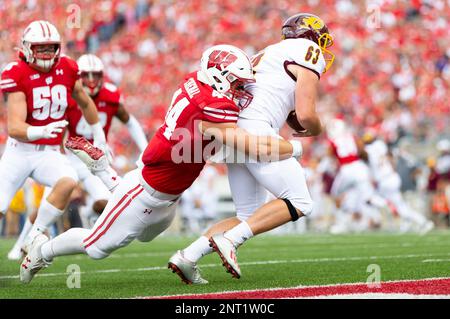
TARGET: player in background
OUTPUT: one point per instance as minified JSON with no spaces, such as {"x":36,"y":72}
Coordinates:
{"x":109,"y":103}
{"x":287,"y":79}
{"x":37,"y":88}
{"x":202,"y":115}
{"x":388,"y":183}
{"x":352,"y":188}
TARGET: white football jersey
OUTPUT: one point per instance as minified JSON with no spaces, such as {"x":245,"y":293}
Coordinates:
{"x":274,"y":89}
{"x":379,"y":162}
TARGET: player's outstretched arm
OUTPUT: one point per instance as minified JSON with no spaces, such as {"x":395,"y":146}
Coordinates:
{"x":261,"y":148}
{"x":22,"y":131}
{"x":305,"y":99}
{"x":86,"y":104}
{"x":90,"y":114}
{"x":17,"y":113}
{"x":135,"y":129}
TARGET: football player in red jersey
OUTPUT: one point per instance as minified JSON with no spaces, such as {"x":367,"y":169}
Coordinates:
{"x":203,"y":114}
{"x":37,"y":87}
{"x":287,"y":79}
{"x":352,"y":188}
{"x":109,"y":103}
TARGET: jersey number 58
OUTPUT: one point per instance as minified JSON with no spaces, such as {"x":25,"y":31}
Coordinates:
{"x":49,"y":102}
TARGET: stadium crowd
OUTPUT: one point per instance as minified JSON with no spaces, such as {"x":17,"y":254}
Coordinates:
{"x":391,"y":74}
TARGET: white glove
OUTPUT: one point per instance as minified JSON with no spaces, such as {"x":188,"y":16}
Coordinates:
{"x":48,"y":131}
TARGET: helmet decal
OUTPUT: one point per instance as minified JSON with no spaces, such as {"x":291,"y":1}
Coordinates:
{"x":311,"y":22}
{"x":221,"y":59}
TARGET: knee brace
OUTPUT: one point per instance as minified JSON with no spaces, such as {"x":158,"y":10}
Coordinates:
{"x":305,"y":207}
{"x":292,"y":210}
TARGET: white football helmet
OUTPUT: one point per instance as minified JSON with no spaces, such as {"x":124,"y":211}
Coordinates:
{"x":36,"y":35}
{"x":227,"y":69}
{"x":91,"y":69}
{"x":443,"y":146}
{"x":336,"y":128}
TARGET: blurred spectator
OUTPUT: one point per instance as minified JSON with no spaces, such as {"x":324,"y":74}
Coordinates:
{"x":392,"y":68}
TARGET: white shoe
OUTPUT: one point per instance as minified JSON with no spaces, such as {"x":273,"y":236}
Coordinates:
{"x":227,"y":252}
{"x":94,"y":158}
{"x":33,"y":262}
{"x":426,"y":228}
{"x":187,"y":270}
{"x":406,"y":226}
{"x":15,"y":254}
{"x":338,"y":229}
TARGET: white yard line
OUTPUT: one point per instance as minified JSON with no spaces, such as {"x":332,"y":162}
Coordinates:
{"x":256,"y":250}
{"x":436,"y":260}
{"x":251,"y":263}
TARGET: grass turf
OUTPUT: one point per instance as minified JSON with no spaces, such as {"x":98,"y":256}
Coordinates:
{"x":266,"y":262}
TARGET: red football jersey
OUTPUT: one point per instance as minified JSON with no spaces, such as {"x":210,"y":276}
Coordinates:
{"x":107,"y":102}
{"x":345,"y":148}
{"x":47,"y":94}
{"x":179,"y":136}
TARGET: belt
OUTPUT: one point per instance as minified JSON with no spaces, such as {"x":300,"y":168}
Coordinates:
{"x":157,"y":194}
{"x":31,"y":147}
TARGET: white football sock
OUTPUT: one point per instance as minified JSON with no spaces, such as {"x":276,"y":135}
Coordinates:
{"x":68,"y":243}
{"x":86,"y":213}
{"x":109,"y":177}
{"x":47,"y":215}
{"x":239,"y":234}
{"x":23,"y":234}
{"x":197,"y":249}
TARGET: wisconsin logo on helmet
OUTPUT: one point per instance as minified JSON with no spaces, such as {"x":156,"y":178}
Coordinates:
{"x":227,"y":69}
{"x":221,"y":59}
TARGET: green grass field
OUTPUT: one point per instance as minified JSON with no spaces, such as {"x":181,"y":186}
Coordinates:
{"x":266,"y":261}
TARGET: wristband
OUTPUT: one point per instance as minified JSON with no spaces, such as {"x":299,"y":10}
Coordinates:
{"x":35,"y":133}
{"x":297,"y":148}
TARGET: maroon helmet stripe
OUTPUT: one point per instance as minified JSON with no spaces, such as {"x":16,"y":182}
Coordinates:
{"x":42,"y":27}
{"x":48,"y":29}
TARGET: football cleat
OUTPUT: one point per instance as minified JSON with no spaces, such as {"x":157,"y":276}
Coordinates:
{"x":33,"y":262}
{"x":227,"y":252}
{"x":16,"y":254}
{"x":426,"y":228}
{"x":187,"y":270}
{"x":94,"y":158}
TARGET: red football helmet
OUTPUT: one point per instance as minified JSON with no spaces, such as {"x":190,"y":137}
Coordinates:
{"x":310,"y":26}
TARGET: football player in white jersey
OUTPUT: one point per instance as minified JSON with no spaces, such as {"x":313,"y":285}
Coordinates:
{"x":287,"y":78}
{"x":389,"y":183}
